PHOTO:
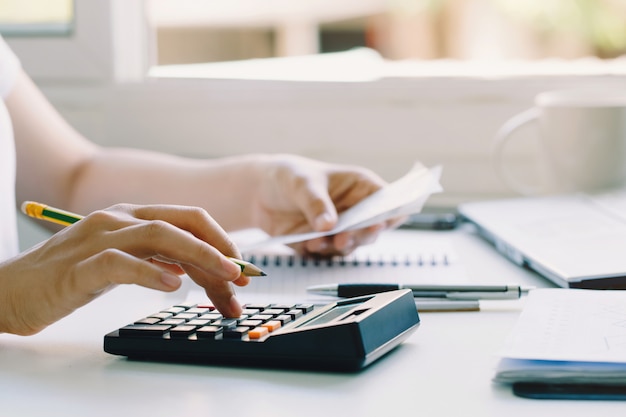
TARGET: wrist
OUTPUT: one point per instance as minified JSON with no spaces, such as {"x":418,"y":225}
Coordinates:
{"x":233,"y":188}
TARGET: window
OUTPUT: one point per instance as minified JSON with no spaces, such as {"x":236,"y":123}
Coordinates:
{"x":206,"y":31}
{"x":103,"y":40}
{"x":36,"y":17}
{"x":431,"y":86}
{"x":121,"y":39}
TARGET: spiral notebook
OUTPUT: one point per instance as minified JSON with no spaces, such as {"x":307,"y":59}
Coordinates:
{"x":397,"y":257}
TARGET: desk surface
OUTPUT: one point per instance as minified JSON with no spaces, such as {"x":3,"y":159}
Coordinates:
{"x":443,"y":369}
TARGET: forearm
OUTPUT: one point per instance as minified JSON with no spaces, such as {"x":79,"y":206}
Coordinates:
{"x":221,"y":186}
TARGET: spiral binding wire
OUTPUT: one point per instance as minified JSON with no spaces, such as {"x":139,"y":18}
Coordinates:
{"x":355,"y":260}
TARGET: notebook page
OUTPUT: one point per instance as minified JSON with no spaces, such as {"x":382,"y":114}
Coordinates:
{"x":570,"y":325}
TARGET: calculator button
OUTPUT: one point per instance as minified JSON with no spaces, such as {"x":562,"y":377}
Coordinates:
{"x":284,"y":319}
{"x":235,"y":332}
{"x":162,"y":315}
{"x":284,"y":307}
{"x":258,"y":333}
{"x":250,"y":311}
{"x":295,"y":313}
{"x":198,"y":310}
{"x":174,"y":310}
{"x":148,"y":320}
{"x":257,"y":306}
{"x":225,"y":322}
{"x":173,"y":322}
{"x":210,"y":307}
{"x":262,"y":317}
{"x":273,"y":312}
{"x":250,"y":323}
{"x":211,"y":316}
{"x":306,"y":308}
{"x":182,"y":331}
{"x":185,"y":316}
{"x":208,"y":332}
{"x":144,"y":330}
{"x":272,"y":325}
{"x":185,"y":305}
{"x":198,"y":322}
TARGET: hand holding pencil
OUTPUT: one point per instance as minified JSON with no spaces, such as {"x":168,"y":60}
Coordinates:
{"x":66,"y":218}
{"x":124,"y":244}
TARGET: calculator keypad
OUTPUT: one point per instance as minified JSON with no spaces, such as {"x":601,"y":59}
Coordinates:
{"x":202,"y":322}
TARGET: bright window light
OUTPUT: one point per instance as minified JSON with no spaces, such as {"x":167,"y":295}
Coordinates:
{"x":193,"y":31}
{"x":36,"y":17}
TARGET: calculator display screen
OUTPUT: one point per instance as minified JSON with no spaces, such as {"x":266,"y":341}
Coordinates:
{"x":331,"y":314}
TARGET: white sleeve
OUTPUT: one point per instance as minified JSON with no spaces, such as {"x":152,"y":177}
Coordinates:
{"x":9,"y":67}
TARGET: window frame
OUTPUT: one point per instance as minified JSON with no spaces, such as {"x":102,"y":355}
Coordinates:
{"x":109,"y":42}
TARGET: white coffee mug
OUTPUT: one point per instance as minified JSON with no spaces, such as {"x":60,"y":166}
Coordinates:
{"x":582,"y":142}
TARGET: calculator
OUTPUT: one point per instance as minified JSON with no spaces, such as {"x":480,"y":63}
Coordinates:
{"x":346,"y":335}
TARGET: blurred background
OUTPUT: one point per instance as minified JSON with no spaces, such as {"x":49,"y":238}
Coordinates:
{"x":380,"y":83}
{"x":192,"y":31}
{"x":404,"y":29}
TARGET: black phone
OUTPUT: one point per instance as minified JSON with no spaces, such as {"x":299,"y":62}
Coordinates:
{"x":569,"y":391}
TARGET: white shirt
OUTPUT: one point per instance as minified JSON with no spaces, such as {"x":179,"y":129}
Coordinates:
{"x":9,"y":67}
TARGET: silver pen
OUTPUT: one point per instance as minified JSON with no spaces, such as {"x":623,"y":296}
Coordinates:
{"x":450,"y":292}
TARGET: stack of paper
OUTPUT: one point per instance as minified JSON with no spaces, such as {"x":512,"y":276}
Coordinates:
{"x":568,"y":336}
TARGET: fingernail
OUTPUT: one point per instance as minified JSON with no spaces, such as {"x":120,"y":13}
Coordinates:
{"x":170,"y":280}
{"x":231,"y":269}
{"x":323,"y":222}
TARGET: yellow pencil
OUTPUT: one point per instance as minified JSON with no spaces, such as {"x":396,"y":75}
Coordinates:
{"x":65,"y":218}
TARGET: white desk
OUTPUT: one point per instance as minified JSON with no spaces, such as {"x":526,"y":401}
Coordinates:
{"x":444,"y":369}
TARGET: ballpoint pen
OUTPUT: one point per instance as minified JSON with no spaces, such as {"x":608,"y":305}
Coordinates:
{"x":449,"y":292}
{"x":66,"y":218}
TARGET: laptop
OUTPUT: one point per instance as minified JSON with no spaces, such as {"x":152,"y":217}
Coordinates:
{"x":574,"y":240}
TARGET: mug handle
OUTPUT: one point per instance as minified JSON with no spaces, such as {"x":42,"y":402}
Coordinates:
{"x":501,"y":139}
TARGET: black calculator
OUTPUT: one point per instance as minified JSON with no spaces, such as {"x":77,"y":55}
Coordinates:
{"x":346,"y":335}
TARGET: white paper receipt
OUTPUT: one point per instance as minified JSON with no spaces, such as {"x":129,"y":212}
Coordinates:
{"x":402,"y":197}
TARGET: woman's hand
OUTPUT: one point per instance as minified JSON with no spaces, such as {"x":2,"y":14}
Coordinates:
{"x":299,"y":195}
{"x":124,"y":244}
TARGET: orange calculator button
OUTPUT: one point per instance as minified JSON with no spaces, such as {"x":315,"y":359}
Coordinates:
{"x":258,"y":332}
{"x":272,"y":325}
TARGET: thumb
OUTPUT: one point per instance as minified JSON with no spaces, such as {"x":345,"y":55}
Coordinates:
{"x":316,"y":206}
